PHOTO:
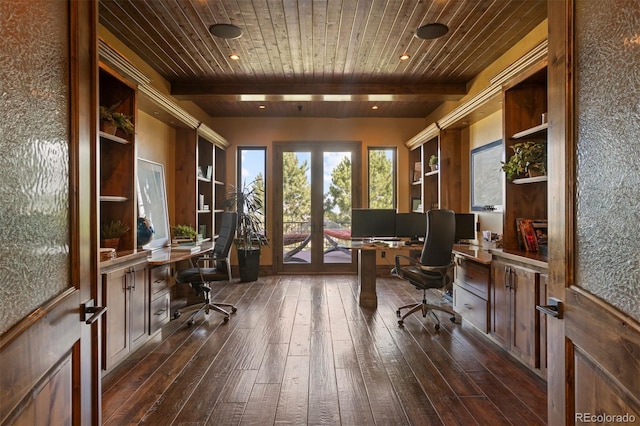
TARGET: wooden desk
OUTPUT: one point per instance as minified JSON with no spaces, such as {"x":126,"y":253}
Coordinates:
{"x":166,"y":255}
{"x":367,"y":267}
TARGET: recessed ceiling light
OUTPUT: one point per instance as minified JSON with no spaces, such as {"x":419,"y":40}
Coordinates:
{"x":431,"y":31}
{"x":226,"y":31}
{"x":404,"y":56}
{"x":374,"y":107}
{"x":261,"y":106}
{"x":234,"y":56}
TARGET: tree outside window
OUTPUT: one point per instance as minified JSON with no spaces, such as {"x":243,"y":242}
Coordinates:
{"x":382,"y":181}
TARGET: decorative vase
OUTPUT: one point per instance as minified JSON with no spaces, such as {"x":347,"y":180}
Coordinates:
{"x":249,"y":264}
{"x":534,"y":173}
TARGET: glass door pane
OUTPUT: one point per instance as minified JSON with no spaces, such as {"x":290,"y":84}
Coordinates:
{"x":296,"y":207}
{"x":337,"y":203}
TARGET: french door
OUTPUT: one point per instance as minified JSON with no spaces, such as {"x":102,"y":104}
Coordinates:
{"x":315,"y":185}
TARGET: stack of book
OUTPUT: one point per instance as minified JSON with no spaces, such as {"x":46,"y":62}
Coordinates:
{"x":532,"y":234}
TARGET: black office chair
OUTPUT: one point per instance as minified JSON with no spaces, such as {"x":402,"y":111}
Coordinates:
{"x":434,"y":269}
{"x":211,"y":267}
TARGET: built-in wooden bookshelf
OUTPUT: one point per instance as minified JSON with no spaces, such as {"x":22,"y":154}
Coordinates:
{"x":118,"y":159}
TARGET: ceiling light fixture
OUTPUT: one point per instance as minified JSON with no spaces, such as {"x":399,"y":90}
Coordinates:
{"x":374,"y":107}
{"x":261,"y":107}
{"x":431,"y":31}
{"x":234,"y":56}
{"x":226,"y":31}
{"x":404,"y":56}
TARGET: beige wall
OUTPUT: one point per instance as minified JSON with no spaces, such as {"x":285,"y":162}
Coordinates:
{"x":481,"y":133}
{"x":388,"y":132}
{"x":156,"y":142}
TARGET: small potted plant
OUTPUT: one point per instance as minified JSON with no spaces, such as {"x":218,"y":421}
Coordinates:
{"x":433,"y":162}
{"x":528,"y":159}
{"x":111,"y":232}
{"x":248,"y":202}
{"x":184,"y":234}
{"x":112,"y":120}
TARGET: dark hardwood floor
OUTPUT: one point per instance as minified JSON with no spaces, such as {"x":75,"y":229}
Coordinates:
{"x":301,"y":351}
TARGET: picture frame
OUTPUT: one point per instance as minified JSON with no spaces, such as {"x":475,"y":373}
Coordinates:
{"x":152,"y":201}
{"x":416,"y":204}
{"x":486,"y":177}
{"x":417,"y":171}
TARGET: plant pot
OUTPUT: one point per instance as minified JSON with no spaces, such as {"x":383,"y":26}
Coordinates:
{"x":111,"y":243}
{"x":434,"y":167}
{"x":108,"y":127}
{"x":535,"y":173}
{"x":249,"y":264}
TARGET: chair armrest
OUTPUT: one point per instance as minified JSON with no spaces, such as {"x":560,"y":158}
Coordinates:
{"x":411,"y":261}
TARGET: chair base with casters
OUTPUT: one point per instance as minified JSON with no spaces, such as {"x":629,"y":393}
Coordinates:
{"x":425,"y":308}
{"x":210,"y":268}
{"x":434,"y":268}
{"x":206,"y":306}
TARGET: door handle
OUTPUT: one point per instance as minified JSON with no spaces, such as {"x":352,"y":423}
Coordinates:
{"x":88,"y":308}
{"x":554,"y":308}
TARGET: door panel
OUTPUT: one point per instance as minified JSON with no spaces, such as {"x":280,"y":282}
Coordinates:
{"x":313,"y":199}
{"x":48,"y":359}
{"x":592,"y":346}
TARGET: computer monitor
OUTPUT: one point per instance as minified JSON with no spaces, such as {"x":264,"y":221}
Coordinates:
{"x":373,"y":223}
{"x":411,"y":225}
{"x":465,"y":226}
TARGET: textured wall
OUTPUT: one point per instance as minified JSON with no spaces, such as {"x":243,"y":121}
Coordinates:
{"x":34,"y":159}
{"x":608,"y":186}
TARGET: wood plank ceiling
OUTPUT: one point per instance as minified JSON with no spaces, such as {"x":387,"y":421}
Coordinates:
{"x":319,"y":58}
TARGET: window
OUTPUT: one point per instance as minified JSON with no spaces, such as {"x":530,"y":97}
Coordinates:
{"x":251,"y":171}
{"x":382,"y":178}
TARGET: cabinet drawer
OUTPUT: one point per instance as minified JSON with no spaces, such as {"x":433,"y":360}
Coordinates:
{"x":159,"y":281}
{"x":159,"y":313}
{"x":473,"y":276}
{"x":471,"y":307}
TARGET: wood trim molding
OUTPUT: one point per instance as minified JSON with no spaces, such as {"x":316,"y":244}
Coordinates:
{"x":524,"y":63}
{"x":119,"y":63}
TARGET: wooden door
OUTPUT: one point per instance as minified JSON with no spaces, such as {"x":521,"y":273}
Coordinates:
{"x":115,"y":287}
{"x":524,"y":323}
{"x":49,"y":358}
{"x":500,"y":303}
{"x":138,"y":307}
{"x":593,"y":345}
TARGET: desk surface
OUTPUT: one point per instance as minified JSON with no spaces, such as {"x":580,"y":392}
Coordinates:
{"x":167,"y":255}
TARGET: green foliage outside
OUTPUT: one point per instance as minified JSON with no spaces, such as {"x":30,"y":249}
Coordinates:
{"x":337,"y":202}
{"x":380,"y":180}
{"x":296,"y":190}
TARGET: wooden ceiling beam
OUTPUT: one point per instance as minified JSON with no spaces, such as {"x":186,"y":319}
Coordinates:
{"x":319,"y":92}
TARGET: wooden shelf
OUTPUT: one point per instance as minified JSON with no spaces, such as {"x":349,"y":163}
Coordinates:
{"x":530,"y":180}
{"x":539,"y":132}
{"x":433,"y":173}
{"x":417,"y":182}
{"x":113,"y":199}
{"x":204,"y":179}
{"x":114,"y":138}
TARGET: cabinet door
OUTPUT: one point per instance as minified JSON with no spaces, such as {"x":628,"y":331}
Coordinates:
{"x":116,"y":337}
{"x":138,"y":307}
{"x":524,"y":320}
{"x":500,"y":303}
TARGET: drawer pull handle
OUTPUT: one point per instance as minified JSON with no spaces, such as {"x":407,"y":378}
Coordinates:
{"x":553,"y":309}
{"x":160,"y":312}
{"x":468,"y":306}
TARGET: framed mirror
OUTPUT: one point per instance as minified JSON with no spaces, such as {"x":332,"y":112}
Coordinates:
{"x":486,"y":177}
{"x":152,"y":203}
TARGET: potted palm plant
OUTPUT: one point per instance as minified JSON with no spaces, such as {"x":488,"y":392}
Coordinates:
{"x":248,"y":201}
{"x":111,"y":232}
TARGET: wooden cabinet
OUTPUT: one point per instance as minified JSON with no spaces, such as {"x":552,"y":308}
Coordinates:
{"x":440,"y":188}
{"x":515,"y":323}
{"x":117,"y":159}
{"x":524,"y":103}
{"x":200,"y":171}
{"x":125,"y":293}
{"x":471,"y":292}
{"x":159,"y":297}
